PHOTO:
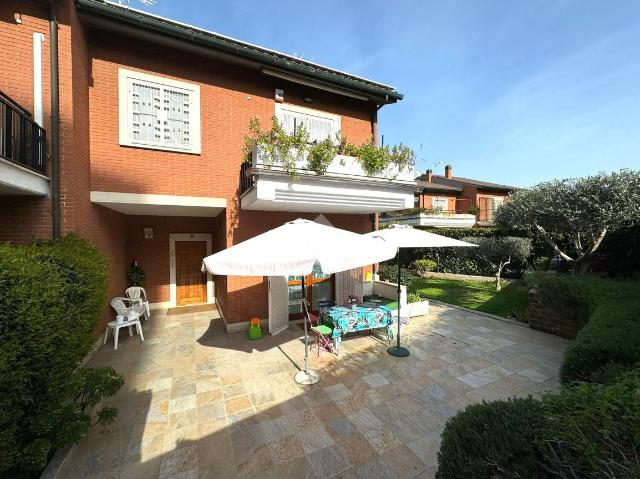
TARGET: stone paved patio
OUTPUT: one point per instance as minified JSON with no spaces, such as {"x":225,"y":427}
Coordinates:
{"x":200,"y":403}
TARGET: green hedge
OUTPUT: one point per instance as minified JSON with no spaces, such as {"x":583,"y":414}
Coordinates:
{"x":51,"y":296}
{"x":610,"y":342}
{"x":389,"y":272}
{"x":492,"y":440}
{"x":449,"y":260}
{"x":582,"y":294}
{"x":585,"y":431}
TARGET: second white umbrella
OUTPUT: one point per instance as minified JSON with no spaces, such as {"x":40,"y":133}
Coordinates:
{"x":404,"y":236}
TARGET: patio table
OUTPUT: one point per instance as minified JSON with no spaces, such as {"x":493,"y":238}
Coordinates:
{"x":346,"y":320}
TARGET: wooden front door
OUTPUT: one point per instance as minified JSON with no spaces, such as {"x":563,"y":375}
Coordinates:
{"x":191,"y":282}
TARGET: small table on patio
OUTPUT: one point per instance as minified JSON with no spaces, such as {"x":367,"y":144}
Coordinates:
{"x":346,"y":320}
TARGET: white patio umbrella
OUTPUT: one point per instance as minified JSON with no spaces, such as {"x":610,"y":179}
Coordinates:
{"x":404,"y":236}
{"x":293,"y":249}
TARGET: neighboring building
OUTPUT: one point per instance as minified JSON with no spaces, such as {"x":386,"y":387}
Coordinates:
{"x":145,"y":159}
{"x":461,"y":195}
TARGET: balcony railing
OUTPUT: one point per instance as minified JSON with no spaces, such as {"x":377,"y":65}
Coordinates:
{"x":22,"y":141}
{"x":342,"y":166}
{"x":246,"y":178}
{"x":431,"y":217}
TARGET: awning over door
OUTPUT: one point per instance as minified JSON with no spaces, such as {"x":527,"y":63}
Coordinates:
{"x":159,"y":205}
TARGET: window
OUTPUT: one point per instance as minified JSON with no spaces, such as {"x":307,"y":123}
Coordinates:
{"x":319,"y":124}
{"x":158,"y":113}
{"x":439,"y":203}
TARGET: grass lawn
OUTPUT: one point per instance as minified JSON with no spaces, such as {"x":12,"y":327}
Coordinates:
{"x":479,"y":295}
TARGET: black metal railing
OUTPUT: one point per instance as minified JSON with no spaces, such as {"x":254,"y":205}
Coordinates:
{"x":22,"y":141}
{"x":246,"y":178}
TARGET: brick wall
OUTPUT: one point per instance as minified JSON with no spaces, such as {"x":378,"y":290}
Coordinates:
{"x":550,"y":319}
{"x":229,"y":97}
{"x":24,"y":218}
{"x":91,"y":158}
{"x":153,"y":254}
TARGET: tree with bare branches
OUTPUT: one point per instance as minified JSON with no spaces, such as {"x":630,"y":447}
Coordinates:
{"x":576,"y":213}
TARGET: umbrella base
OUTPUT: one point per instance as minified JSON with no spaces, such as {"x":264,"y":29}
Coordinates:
{"x":398,"y":352}
{"x":307,"y":377}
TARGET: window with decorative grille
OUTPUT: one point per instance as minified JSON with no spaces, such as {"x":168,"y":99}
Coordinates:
{"x":159,"y":113}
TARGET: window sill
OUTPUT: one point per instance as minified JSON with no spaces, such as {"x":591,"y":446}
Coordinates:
{"x":193,"y":151}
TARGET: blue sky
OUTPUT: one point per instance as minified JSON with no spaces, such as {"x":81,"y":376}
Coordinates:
{"x":509,"y":91}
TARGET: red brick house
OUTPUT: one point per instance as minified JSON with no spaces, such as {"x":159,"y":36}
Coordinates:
{"x":134,"y":141}
{"x":455,"y":194}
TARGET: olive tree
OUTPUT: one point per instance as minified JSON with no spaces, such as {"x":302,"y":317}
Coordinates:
{"x":498,"y":252}
{"x":574,"y":215}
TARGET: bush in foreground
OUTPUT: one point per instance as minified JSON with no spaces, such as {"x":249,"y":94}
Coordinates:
{"x":593,"y":430}
{"x":51,"y":296}
{"x":493,"y":440}
{"x":586,"y":431}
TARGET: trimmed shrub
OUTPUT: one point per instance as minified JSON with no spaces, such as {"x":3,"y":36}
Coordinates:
{"x":581,"y":293}
{"x":586,"y":431}
{"x":576,"y":298}
{"x":389,"y":272}
{"x":493,"y":440}
{"x":51,"y":296}
{"x":609,"y":343}
{"x":423,"y":266}
{"x":593,"y":430}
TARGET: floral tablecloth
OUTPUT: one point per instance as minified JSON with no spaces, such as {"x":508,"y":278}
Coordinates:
{"x":346,"y":320}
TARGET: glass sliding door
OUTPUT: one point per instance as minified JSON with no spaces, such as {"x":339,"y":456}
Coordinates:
{"x":318,"y":287}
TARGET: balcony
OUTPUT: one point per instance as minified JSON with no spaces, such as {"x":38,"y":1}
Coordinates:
{"x":428,"y":217}
{"x":344,"y":188}
{"x":23,"y":164}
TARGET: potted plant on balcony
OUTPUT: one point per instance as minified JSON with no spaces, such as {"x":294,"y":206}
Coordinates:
{"x":321,"y":155}
{"x":344,"y":147}
{"x":372,"y":158}
{"x":281,"y":148}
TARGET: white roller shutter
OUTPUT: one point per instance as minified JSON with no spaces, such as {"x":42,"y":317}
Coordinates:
{"x":348,"y":283}
{"x":320,"y":125}
{"x":278,"y":304}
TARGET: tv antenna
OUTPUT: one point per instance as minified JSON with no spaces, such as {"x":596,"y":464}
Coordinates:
{"x":127,"y":3}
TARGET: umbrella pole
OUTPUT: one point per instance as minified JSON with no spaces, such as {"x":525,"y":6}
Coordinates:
{"x":397,"y":350}
{"x":306,"y":376}
{"x":306,"y":336}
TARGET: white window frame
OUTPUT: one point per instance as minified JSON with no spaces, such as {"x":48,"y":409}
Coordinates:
{"x":336,"y":119}
{"x":439,"y":199}
{"x":125,"y":137}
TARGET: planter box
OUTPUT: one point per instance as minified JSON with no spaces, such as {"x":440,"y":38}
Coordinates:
{"x":437,"y":220}
{"x":421,"y":308}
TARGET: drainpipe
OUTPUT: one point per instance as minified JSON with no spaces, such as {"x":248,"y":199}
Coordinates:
{"x":55,"y":121}
{"x":374,"y":136}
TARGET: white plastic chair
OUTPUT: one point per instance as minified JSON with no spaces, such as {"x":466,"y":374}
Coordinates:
{"x":139,"y":295}
{"x":131,"y":316}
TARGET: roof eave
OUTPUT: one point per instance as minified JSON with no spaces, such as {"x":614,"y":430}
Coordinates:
{"x":375,"y":92}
